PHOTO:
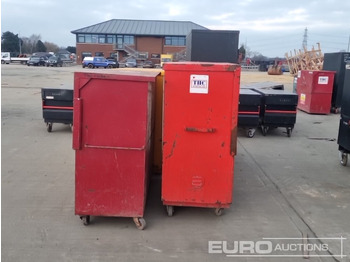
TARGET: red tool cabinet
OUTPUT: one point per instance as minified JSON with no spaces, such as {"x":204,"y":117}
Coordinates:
{"x":112,"y":139}
{"x":199,"y":134}
{"x":315,"y":91}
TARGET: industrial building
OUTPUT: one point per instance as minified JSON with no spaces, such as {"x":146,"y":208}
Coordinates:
{"x":139,"y":39}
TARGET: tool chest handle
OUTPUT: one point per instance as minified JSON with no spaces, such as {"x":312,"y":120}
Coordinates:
{"x":200,"y":130}
{"x":77,"y":118}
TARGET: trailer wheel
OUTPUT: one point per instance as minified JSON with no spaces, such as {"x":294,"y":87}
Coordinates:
{"x":140,"y":222}
{"x":49,"y":127}
{"x":343,"y":158}
{"x":218,"y":211}
{"x":86,"y":220}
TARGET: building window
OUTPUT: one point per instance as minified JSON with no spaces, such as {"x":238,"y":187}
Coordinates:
{"x":94,"y":38}
{"x":81,"y":38}
{"x":111,"y":39}
{"x":102,"y":39}
{"x":88,"y":39}
{"x":99,"y":54}
{"x":129,"y":39}
{"x":125,"y":40}
{"x":175,"y":40}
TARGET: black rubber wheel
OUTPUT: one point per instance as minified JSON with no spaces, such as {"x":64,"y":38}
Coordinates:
{"x":140,"y":223}
{"x":250,"y":132}
{"x":86,"y":220}
{"x":90,"y":66}
{"x":264,"y":130}
{"x":218,"y":211}
{"x":343,"y":158}
{"x":289,"y":132}
{"x":49,"y":127}
{"x":170,"y":210}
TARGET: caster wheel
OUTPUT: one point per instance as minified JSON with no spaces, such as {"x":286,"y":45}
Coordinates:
{"x":343,"y":158}
{"x":170,"y":210}
{"x":264,"y":130}
{"x":86,"y":220}
{"x":49,"y":127}
{"x":250,"y":132}
{"x":218,"y":211}
{"x":289,"y":132}
{"x":139,"y":222}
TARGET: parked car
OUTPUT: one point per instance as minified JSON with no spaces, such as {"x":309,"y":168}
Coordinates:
{"x":131,"y":62}
{"x":148,"y":64}
{"x":95,"y":62}
{"x":37,"y":61}
{"x":113,"y":59}
{"x":54,"y":61}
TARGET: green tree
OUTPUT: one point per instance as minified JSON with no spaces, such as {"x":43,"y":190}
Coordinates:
{"x":40,"y":47}
{"x":10,"y":42}
{"x":242,"y":51}
{"x":71,"y":49}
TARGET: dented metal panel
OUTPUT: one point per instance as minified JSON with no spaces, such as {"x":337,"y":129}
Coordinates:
{"x":199,"y":133}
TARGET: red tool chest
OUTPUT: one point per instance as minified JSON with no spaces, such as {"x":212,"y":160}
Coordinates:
{"x":112,"y":139}
{"x":315,"y":91}
{"x":199,"y":134}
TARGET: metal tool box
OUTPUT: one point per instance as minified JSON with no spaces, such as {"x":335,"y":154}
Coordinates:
{"x":278,"y":109}
{"x":249,"y":110}
{"x":199,"y":134}
{"x":344,"y":125}
{"x":57,"y":106}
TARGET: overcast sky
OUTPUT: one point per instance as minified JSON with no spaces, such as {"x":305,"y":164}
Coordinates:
{"x":269,"y":27}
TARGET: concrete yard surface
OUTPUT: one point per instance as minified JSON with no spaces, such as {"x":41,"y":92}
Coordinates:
{"x":287,"y":192}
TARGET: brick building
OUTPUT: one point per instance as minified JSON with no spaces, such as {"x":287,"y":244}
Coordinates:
{"x":140,"y":39}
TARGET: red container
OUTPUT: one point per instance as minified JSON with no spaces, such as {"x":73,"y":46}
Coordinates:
{"x":199,"y":134}
{"x":111,"y":137}
{"x":315,"y":91}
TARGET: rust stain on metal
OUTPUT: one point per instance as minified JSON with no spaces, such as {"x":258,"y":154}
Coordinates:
{"x":233,"y":141}
{"x":233,"y":67}
{"x":172,"y":148}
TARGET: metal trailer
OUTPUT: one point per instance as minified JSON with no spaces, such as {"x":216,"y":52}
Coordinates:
{"x":249,"y":111}
{"x":112,"y":139}
{"x":57,"y":106}
{"x":336,"y":62}
{"x":278,"y":109}
{"x":344,"y":125}
{"x":199,"y":134}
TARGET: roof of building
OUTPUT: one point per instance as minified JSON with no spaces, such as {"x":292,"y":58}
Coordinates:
{"x":141,"y":27}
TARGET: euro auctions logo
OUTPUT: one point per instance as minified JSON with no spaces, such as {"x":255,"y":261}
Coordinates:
{"x":277,"y":247}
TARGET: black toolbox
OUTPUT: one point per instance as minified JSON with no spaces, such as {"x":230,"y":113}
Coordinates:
{"x":337,"y":62}
{"x":278,"y":109}
{"x":249,"y":110}
{"x":57,"y":106}
{"x":344,"y":126}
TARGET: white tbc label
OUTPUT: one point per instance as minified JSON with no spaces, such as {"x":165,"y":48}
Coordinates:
{"x":199,"y":84}
{"x":323,"y":80}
